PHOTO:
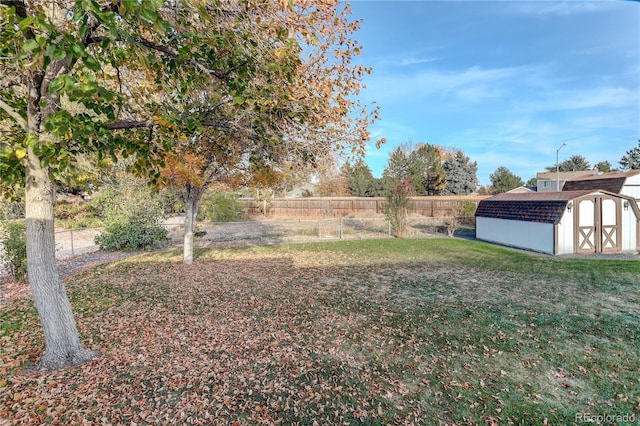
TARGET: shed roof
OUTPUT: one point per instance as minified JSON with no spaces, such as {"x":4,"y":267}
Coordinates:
{"x":542,"y":207}
{"x":611,"y":182}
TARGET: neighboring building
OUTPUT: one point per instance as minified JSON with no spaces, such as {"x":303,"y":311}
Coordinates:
{"x":548,"y":181}
{"x":624,"y":183}
{"x":583,"y":221}
{"x":303,"y":190}
{"x":521,"y":190}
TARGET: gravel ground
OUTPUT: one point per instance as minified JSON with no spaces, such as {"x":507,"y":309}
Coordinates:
{"x":614,"y":256}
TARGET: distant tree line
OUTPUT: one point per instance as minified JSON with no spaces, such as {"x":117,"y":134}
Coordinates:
{"x":427,"y":169}
{"x":433,"y":170}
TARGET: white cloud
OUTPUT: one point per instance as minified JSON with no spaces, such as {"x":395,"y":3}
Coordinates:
{"x":415,"y":61}
{"x":563,"y":8}
{"x":443,"y":82}
{"x":579,"y":98}
{"x":598,"y":97}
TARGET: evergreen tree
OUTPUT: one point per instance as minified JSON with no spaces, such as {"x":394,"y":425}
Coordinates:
{"x":397,"y":169}
{"x":360,"y":180}
{"x":631,"y":160}
{"x":603,"y":166}
{"x":503,"y":180}
{"x":426,"y":170}
{"x":461,"y":175}
{"x":398,"y":165}
{"x":575,"y":163}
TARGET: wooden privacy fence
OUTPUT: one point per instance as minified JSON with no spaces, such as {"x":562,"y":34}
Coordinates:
{"x":314,"y":207}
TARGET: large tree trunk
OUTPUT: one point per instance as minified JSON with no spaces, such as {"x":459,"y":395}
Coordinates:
{"x":192,"y":196}
{"x":189,"y":231}
{"x":63,"y":347}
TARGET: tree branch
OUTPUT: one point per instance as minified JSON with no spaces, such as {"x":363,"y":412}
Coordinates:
{"x":223,"y":76}
{"x":121,"y":125}
{"x":89,"y":38}
{"x":14,"y":114}
{"x":168,"y":51}
{"x":132,"y":124}
{"x":9,"y":82}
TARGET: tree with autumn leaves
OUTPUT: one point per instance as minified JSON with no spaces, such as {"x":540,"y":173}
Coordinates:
{"x":213,"y":90}
{"x":292,"y":116}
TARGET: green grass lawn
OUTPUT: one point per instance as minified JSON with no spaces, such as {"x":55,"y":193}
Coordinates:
{"x":429,"y":331}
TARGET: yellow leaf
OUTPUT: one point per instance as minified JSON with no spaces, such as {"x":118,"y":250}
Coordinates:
{"x":20,"y":153}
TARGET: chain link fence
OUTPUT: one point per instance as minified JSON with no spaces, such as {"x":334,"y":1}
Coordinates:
{"x":273,"y":231}
{"x":76,"y":242}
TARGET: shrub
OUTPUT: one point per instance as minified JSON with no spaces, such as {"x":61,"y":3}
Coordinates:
{"x":170,"y":201}
{"x":222,"y":207}
{"x":138,"y":228}
{"x":14,"y":241}
{"x":396,"y":207}
{"x":133,"y":216}
{"x":82,"y":215}
{"x":10,"y":210}
{"x":468,"y":209}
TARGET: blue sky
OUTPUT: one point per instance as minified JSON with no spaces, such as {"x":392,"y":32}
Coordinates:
{"x":507,"y":82}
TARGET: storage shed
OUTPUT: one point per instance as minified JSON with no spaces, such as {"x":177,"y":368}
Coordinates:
{"x":581,"y":221}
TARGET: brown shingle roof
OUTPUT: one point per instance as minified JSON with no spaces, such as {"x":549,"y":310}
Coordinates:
{"x":607,"y":184}
{"x":543,"y":207}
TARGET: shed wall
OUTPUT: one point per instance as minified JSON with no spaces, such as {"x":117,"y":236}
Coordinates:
{"x":629,"y":231}
{"x":565,"y":234}
{"x":528,"y":235}
{"x":632,"y":187}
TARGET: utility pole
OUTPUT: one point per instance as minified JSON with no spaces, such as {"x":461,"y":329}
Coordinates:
{"x":558,"y":167}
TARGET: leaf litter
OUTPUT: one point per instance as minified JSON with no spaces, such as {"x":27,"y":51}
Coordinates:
{"x":259,"y":337}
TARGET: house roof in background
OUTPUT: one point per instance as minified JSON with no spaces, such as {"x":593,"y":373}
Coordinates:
{"x":521,"y":189}
{"x":540,"y":196}
{"x":612,"y":182}
{"x":563,"y":175}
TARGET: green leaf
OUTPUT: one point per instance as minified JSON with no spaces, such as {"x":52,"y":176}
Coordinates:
{"x":30,"y":45}
{"x":56,"y":85}
{"x":77,"y":50}
{"x":26,"y":23}
{"x":238,"y":100}
{"x":57,"y":52}
{"x":82,"y":31}
{"x":91,"y":63}
{"x":150,"y":15}
{"x":31,"y":140}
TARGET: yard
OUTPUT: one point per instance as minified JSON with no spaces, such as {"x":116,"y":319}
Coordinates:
{"x":425,"y":331}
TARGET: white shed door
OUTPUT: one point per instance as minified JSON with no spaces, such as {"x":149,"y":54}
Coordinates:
{"x":586,"y":226}
{"x":610,"y":225}
{"x":598,"y":222}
